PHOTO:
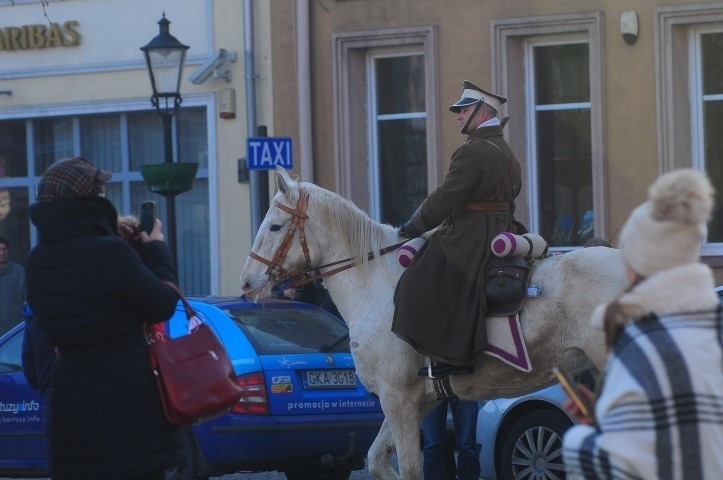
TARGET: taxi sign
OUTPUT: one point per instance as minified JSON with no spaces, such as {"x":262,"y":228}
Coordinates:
{"x":265,"y":153}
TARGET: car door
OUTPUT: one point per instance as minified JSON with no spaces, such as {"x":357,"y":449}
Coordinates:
{"x":22,"y":447}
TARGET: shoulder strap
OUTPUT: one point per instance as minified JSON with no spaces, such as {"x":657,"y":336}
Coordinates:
{"x":506,"y":157}
{"x":190,"y":312}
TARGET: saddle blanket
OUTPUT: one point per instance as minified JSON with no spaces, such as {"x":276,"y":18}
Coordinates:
{"x":506,"y":342}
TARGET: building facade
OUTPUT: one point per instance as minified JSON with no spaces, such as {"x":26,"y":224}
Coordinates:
{"x":603,"y":97}
{"x":73,"y":81}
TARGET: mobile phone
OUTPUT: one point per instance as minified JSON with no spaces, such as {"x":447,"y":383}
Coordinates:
{"x":569,"y":387}
{"x":148,"y":216}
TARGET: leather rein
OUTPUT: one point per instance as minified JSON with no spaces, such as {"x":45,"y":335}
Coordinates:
{"x":303,"y":276}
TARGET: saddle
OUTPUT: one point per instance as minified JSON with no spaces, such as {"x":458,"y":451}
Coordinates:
{"x":505,"y":277}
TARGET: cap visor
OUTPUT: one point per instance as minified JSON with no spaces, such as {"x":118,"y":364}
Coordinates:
{"x":463,"y":102}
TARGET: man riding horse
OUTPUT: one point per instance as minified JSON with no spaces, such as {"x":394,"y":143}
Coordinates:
{"x":440,"y":305}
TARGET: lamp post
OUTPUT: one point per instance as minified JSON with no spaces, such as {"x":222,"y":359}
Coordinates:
{"x":165,"y":57}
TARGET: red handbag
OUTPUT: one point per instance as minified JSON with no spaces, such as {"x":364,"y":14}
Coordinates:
{"x":195,"y":377}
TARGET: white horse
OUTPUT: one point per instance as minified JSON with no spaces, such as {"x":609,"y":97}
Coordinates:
{"x":307,"y":227}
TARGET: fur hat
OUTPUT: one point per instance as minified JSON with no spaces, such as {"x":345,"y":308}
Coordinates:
{"x":71,"y":178}
{"x":667,"y":230}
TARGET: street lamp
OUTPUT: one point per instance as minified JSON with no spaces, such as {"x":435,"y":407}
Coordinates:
{"x":165,"y":57}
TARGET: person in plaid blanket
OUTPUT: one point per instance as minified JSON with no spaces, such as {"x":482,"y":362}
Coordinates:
{"x":659,"y":413}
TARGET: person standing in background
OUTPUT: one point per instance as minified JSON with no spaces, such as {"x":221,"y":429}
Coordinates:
{"x":435,"y":452}
{"x":12,"y":289}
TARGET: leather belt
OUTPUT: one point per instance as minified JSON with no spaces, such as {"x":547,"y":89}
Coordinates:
{"x":497,"y":207}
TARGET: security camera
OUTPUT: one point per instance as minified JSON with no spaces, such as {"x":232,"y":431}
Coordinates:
{"x":212,"y":66}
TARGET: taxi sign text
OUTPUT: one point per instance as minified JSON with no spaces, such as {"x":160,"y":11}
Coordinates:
{"x":264,"y":153}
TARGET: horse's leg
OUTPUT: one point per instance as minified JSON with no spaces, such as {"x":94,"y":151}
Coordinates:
{"x":403,"y":416}
{"x":380,"y":454}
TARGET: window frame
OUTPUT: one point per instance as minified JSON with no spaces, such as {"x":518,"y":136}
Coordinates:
{"x":374,"y":119}
{"x":510,"y":38}
{"x":28,"y":113}
{"x":679,"y":115}
{"x":532,"y":109}
{"x":697,"y":106}
{"x":351,"y":100}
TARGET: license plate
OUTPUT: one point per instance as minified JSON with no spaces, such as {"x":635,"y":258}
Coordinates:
{"x":329,"y":379}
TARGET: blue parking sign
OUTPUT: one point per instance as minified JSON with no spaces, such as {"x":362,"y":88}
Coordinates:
{"x":264,"y":153}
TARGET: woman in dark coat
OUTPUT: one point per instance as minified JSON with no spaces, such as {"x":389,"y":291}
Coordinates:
{"x":92,"y":292}
{"x":439,"y":306}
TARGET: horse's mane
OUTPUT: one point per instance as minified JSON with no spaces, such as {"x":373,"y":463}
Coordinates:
{"x":361,"y":233}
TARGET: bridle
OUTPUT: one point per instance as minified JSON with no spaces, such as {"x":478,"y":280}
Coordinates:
{"x":276,"y":272}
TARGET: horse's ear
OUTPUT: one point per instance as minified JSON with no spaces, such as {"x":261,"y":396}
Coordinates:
{"x":283,"y":181}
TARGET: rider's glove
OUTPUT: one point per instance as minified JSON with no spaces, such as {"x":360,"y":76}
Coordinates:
{"x":408,"y":230}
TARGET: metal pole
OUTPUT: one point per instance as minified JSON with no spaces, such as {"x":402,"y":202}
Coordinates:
{"x":170,"y":196}
{"x":303,"y":85}
{"x":254,"y":176}
{"x":263,"y":187}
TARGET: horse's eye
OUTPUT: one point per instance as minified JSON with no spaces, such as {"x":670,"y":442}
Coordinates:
{"x":275,"y":228}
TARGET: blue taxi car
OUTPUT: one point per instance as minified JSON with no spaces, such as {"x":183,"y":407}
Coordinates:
{"x":304,"y":412}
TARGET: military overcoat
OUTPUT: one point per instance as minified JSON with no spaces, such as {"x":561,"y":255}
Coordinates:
{"x":440,"y":307}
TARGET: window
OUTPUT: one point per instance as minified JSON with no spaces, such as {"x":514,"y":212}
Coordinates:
{"x":550,"y":68}
{"x":11,"y":354}
{"x":690,"y":101}
{"x":120,"y":142}
{"x":278,"y":332}
{"x":708,"y":105}
{"x":398,"y":170}
{"x":561,"y":152}
{"x":14,"y":189}
{"x":386,"y":119}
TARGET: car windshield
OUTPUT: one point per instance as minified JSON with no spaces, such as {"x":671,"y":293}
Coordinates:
{"x":10,"y":355}
{"x":279,"y":331}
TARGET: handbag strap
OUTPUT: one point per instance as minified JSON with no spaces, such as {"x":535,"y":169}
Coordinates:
{"x":190,"y":312}
{"x":156,"y":333}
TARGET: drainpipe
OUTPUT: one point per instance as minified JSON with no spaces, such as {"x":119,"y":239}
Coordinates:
{"x":258,"y":179}
{"x":303,"y":85}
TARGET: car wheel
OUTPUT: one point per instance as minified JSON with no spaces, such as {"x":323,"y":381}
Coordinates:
{"x":532,"y":447}
{"x":191,"y":470}
{"x":319,"y":473}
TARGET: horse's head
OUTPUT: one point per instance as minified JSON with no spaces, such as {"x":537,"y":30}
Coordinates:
{"x":282,"y":246}
{"x":305,"y":227}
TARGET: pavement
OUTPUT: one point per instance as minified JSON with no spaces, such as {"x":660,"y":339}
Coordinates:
{"x":355,"y":475}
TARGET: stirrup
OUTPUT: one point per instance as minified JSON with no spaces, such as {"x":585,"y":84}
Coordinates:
{"x":435,"y":370}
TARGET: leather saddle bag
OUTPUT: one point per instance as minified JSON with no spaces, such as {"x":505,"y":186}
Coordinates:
{"x":505,"y":284}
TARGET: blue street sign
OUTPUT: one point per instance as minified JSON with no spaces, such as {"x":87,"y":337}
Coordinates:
{"x":264,"y":153}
